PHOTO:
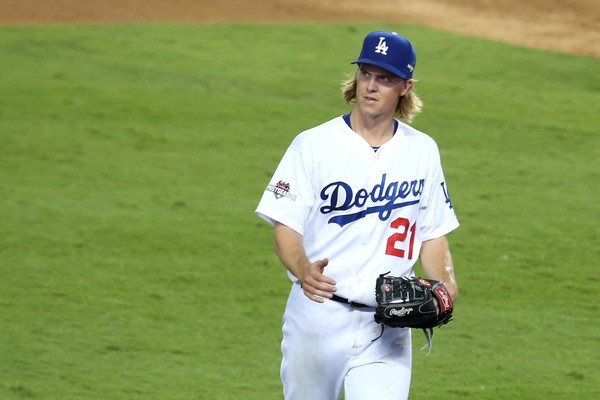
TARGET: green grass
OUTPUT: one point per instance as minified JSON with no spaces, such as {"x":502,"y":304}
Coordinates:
{"x":132,"y":158}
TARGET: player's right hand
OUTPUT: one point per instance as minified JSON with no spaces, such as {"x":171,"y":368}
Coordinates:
{"x":315,"y":284}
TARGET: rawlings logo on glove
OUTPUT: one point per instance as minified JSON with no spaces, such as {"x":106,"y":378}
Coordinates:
{"x":402,"y":312}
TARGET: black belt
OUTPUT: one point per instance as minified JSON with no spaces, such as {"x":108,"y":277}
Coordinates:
{"x":346,"y":301}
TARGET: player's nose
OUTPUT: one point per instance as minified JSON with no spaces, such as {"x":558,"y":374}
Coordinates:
{"x":371,"y":84}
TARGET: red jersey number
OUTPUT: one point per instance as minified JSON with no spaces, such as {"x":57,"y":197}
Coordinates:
{"x":397,"y":243}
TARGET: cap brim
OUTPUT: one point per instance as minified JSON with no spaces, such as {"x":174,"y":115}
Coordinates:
{"x":383,"y":65}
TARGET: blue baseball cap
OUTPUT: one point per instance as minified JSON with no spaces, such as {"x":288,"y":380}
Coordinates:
{"x":389,"y":51}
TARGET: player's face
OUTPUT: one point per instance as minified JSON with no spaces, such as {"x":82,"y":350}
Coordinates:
{"x":378,"y":91}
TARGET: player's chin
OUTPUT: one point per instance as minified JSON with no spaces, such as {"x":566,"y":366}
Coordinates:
{"x":365,"y":109}
{"x":372,"y":110}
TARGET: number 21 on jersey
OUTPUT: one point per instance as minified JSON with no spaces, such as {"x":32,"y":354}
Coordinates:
{"x":402,"y":242}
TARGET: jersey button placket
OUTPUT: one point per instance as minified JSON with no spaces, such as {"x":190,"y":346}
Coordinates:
{"x":371,"y":221}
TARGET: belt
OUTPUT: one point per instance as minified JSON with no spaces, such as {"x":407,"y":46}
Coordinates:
{"x":352,"y":304}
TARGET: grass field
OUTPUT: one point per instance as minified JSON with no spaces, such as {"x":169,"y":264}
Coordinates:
{"x":132,"y":158}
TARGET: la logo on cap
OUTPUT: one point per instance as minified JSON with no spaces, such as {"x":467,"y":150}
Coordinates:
{"x":382,"y":47}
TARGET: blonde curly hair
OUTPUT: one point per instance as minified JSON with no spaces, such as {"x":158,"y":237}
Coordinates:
{"x":408,"y":105}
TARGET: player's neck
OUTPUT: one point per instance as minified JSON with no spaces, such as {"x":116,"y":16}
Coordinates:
{"x":376,"y":131}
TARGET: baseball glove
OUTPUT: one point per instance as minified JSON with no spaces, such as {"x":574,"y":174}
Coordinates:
{"x":408,"y":302}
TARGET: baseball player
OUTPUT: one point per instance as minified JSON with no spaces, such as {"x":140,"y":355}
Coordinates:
{"x":361,"y":195}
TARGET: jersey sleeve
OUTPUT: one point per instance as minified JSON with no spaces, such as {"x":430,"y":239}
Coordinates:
{"x":289,"y":196}
{"x":437,"y":216}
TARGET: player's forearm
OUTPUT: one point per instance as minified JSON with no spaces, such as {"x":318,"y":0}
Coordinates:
{"x":436,"y":261}
{"x":289,"y":246}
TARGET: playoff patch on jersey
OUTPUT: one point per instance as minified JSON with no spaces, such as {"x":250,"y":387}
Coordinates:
{"x":281,"y":189}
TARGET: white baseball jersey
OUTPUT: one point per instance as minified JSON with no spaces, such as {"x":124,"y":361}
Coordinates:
{"x":367,"y":211}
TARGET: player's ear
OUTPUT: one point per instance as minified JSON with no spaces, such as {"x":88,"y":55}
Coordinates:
{"x":408,"y":84}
